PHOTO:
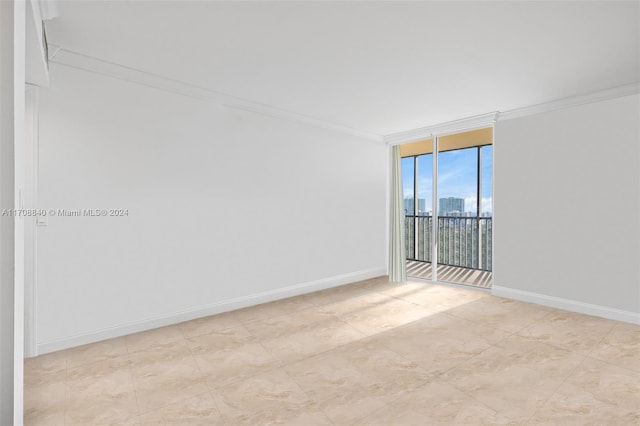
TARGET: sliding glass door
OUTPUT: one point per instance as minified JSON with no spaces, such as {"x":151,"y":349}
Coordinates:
{"x":463,"y":213}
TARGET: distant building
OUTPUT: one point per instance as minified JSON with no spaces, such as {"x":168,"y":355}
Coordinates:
{"x":408,"y":206}
{"x":451,"y":206}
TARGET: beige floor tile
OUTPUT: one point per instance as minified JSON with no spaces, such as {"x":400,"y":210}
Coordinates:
{"x":375,"y":284}
{"x":51,"y":416}
{"x":100,"y":393}
{"x":151,"y":365}
{"x":515,"y":394}
{"x":375,"y":314}
{"x":290,"y":338}
{"x":597,"y":393}
{"x":517,"y":352}
{"x":273,"y":309}
{"x":570,"y":405}
{"x":354,"y":403}
{"x":317,"y":338}
{"x":209,"y":324}
{"x":608,"y":383}
{"x":436,"y":403}
{"x":97,"y":377}
{"x":227,"y":366}
{"x":329,"y":376}
{"x":479,"y":329}
{"x":371,"y":352}
{"x":269,"y":397}
{"x":373,"y":358}
{"x":441,"y":342}
{"x":161,"y":378}
{"x":400,"y":290}
{"x":44,"y":399}
{"x":199,"y":410}
{"x":442,"y":323}
{"x":164,"y":349}
{"x":541,"y":357}
{"x":284,"y":325}
{"x":227,"y":339}
{"x":620,"y":347}
{"x":336,"y":294}
{"x":131,"y":421}
{"x":568,"y":330}
{"x":438,"y":298}
{"x":352,"y":381}
{"x":152,"y":397}
{"x":387,"y":318}
{"x":504,"y":381}
{"x":112,"y":349}
{"x":505,"y":314}
{"x":356,"y":304}
{"x":286,"y":417}
{"x":230,"y":355}
{"x":53,"y":362}
{"x":153,"y":340}
{"x":101,"y":411}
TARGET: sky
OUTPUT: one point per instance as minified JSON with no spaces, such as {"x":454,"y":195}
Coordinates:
{"x":457,"y":176}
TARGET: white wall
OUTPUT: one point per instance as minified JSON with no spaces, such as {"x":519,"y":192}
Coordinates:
{"x":226,"y":208}
{"x":567,"y":203}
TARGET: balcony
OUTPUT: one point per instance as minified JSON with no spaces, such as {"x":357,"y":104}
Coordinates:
{"x":464,"y":248}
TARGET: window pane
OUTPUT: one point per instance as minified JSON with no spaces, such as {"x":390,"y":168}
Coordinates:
{"x":425,"y":176}
{"x":408,"y":189}
{"x":457,"y":182}
{"x":423,"y":224}
{"x":486,"y":153}
{"x":407,"y":184}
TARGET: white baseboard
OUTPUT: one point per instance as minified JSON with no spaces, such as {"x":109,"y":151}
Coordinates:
{"x":567,"y":304}
{"x":204,"y":311}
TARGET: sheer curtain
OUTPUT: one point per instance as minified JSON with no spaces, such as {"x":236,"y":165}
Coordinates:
{"x":397,"y":256}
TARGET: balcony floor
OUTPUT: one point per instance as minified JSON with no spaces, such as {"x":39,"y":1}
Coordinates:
{"x":452,"y":274}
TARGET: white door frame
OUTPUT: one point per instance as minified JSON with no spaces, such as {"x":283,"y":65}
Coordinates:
{"x":31,"y":231}
{"x":434,"y":132}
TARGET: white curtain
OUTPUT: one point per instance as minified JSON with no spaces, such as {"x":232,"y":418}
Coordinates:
{"x":397,"y":257}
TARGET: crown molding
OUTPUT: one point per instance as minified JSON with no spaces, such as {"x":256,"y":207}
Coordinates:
{"x":602,"y":95}
{"x":68,"y":58}
{"x":490,"y":119}
{"x":456,"y":126}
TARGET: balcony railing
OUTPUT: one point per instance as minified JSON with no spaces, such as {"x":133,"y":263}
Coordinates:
{"x":462,"y":241}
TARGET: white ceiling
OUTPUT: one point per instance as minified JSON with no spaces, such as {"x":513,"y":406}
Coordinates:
{"x":379,"y":67}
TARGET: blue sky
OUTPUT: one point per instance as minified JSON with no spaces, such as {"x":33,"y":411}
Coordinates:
{"x":456,"y":176}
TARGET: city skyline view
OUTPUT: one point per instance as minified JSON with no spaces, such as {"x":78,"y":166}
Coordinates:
{"x":457,"y":178}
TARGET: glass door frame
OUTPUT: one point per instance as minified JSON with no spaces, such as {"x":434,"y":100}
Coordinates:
{"x":435,"y":216}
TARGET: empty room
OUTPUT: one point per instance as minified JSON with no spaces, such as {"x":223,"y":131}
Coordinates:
{"x":319,"y":212}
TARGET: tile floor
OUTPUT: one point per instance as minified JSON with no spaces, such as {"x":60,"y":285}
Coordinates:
{"x":366,"y":353}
